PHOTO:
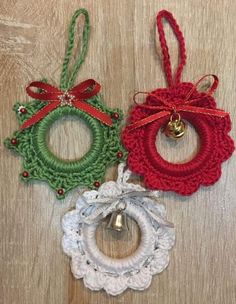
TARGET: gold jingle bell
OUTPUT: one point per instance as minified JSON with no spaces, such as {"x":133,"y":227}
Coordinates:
{"x":118,"y":219}
{"x":175,"y":128}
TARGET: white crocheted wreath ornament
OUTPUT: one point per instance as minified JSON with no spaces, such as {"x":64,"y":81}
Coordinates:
{"x":103,"y":272}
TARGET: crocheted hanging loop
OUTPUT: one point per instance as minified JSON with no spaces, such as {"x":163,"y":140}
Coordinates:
{"x":50,"y":104}
{"x":171,"y":109}
{"x":103,"y":272}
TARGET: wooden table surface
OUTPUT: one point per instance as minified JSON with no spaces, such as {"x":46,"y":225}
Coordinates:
{"x":124,"y":56}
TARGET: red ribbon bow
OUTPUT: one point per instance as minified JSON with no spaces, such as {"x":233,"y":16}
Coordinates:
{"x":168,"y":108}
{"x":74,"y":97}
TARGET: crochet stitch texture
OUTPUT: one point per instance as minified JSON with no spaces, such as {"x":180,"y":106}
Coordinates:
{"x":31,"y":143}
{"x":216,"y":145}
{"x":100,"y":271}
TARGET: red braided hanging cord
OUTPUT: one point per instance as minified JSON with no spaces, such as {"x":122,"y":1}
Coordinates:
{"x":172,"y":81}
{"x":197,"y":108}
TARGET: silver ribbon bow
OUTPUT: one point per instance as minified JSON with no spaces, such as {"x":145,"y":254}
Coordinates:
{"x":99,"y":208}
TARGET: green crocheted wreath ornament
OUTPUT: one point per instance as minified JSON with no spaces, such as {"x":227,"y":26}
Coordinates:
{"x":50,"y":104}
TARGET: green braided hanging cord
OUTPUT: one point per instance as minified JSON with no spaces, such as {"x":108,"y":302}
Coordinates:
{"x":39,"y":163}
{"x":68,"y":79}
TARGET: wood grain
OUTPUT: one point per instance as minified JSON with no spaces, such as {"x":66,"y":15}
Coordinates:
{"x":124,"y":56}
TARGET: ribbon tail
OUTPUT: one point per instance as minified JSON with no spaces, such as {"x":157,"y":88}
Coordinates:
{"x":40,"y":114}
{"x":159,"y":219}
{"x":94,"y":112}
{"x":147,"y":120}
{"x":156,"y":214}
{"x":205,"y":111}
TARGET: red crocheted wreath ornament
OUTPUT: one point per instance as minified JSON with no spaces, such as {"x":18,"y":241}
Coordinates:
{"x":197,"y":108}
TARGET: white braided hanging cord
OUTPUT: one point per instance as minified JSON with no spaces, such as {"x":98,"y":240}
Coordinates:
{"x":116,"y":275}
